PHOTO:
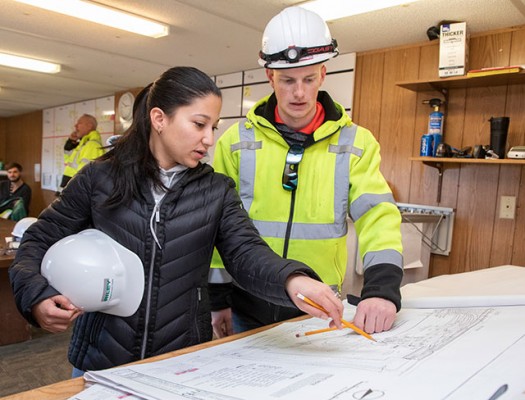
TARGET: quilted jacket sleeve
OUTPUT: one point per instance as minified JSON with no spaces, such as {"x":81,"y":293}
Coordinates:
{"x":251,"y":262}
{"x":65,"y":216}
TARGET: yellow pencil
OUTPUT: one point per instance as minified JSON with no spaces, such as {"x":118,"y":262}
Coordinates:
{"x":356,"y":329}
{"x":315,"y":332}
{"x":343,"y":321}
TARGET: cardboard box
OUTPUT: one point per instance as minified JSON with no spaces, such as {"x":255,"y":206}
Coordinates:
{"x":453,"y":49}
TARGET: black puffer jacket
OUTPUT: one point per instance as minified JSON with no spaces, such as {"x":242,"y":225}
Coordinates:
{"x":201,"y":211}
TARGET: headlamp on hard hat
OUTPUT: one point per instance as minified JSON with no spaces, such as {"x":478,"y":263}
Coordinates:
{"x":293,"y":53}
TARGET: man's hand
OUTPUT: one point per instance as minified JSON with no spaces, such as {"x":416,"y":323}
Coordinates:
{"x":375,"y":315}
{"x":221,"y":322}
{"x":55,"y":314}
{"x":319,"y":293}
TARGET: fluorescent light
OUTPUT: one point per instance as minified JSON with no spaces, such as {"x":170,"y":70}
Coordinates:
{"x":10,"y":60}
{"x":103,"y":15}
{"x":335,"y":9}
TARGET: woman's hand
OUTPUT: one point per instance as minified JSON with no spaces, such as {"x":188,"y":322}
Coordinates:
{"x":55,"y":314}
{"x":319,"y":293}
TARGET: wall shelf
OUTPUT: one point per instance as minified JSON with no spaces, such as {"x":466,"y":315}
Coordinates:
{"x":457,"y":160}
{"x":440,"y":162}
{"x":458,"y":82}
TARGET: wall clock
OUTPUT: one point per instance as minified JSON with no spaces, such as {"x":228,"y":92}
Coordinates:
{"x":125,"y":108}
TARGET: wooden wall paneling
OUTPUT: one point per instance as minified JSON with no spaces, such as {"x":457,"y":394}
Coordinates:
{"x":518,"y":253}
{"x":517,"y":48}
{"x":503,"y":239}
{"x":490,"y":51}
{"x":477,"y":199}
{"x":397,"y":119}
{"x":358,"y":81}
{"x":24,"y":145}
{"x":516,"y":94}
{"x":515,"y":106}
{"x":429,"y":61}
{"x":455,"y":125}
{"x":369,"y":87}
{"x":482,"y":104}
{"x":3,"y":129}
{"x":473,"y":226}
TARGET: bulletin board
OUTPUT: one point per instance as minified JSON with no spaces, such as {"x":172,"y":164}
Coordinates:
{"x":59,"y":122}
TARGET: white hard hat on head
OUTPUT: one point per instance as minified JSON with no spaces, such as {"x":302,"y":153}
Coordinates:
{"x":22,"y":225}
{"x":95,"y":273}
{"x":296,"y":37}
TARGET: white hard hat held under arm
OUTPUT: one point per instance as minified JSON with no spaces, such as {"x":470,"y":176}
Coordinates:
{"x":95,"y":273}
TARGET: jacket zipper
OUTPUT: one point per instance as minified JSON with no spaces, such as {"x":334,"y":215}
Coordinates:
{"x":277,"y":308}
{"x":199,"y":297}
{"x":148,"y":305}
{"x":289,"y":225}
{"x":150,"y":286}
{"x":153,"y":227}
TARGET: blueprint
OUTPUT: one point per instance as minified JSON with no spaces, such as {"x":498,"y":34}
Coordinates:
{"x":446,"y":353}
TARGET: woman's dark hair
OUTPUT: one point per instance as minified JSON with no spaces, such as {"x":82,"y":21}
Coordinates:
{"x":131,"y":158}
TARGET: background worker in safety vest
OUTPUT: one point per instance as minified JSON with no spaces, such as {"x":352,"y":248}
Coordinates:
{"x":83,"y":145}
{"x":301,"y":167}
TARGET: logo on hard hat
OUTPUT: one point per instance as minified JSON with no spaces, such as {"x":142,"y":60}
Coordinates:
{"x":108,"y":289}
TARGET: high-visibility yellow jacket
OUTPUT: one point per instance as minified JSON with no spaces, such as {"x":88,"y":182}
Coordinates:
{"x":338,"y":177}
{"x":89,"y":148}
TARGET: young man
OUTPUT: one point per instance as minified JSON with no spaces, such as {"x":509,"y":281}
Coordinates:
{"x":301,"y":167}
{"x":15,"y":194}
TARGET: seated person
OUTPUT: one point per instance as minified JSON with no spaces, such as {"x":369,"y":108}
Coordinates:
{"x":15,"y":194}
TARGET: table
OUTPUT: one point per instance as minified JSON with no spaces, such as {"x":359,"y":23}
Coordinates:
{"x":13,"y":327}
{"x":507,"y":276}
{"x":65,"y":389}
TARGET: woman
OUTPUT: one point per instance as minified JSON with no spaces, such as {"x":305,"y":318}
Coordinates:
{"x":152,"y":194}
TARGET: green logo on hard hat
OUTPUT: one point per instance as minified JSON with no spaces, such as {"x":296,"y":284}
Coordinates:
{"x":108,"y":290}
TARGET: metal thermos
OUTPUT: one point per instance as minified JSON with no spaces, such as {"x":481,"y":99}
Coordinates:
{"x":499,"y":127}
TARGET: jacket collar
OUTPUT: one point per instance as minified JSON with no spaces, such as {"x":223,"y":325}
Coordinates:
{"x":262,"y":114}
{"x":93,"y":135}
